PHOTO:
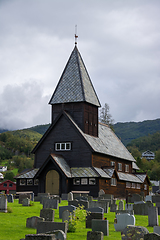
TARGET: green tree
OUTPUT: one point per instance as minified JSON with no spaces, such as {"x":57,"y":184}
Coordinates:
{"x":9,"y":176}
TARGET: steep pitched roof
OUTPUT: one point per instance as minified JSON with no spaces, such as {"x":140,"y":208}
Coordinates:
{"x":75,"y":84}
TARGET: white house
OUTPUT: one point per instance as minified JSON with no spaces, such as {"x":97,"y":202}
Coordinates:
{"x":3,"y":168}
{"x":148,"y":155}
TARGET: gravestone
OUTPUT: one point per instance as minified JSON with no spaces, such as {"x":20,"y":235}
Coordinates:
{"x":101,"y":225}
{"x":128,"y":206}
{"x":81,"y":198}
{"x":135,"y":198}
{"x":32,"y":222}
{"x":23,"y":196}
{"x":155,"y":198}
{"x":70,"y":196}
{"x":152,"y":216}
{"x":40,"y":196}
{"x":50,"y":203}
{"x":3,"y":203}
{"x":134,"y":232}
{"x":66,"y":215}
{"x":121,"y":205}
{"x":47,"y":214}
{"x":131,"y":212}
{"x":142,"y":208}
{"x":40,"y":237}
{"x":60,"y":235}
{"x":64,"y":196}
{"x":107,"y":201}
{"x":93,"y":215}
{"x":156,"y":229}
{"x":122,"y":220}
{"x":148,"y":198}
{"x":47,"y":226}
{"x":114,"y":207}
{"x":101,"y":192}
{"x":151,"y":236}
{"x":95,"y":235}
{"x":26,"y":202}
{"x":56,"y":197}
{"x":32,"y":196}
{"x":90,"y":198}
{"x":10,"y":198}
{"x":101,"y":204}
{"x":77,"y":203}
{"x":70,"y":208}
{"x":95,"y":210}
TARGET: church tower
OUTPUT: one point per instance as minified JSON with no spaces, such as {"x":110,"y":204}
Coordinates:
{"x":75,"y":94}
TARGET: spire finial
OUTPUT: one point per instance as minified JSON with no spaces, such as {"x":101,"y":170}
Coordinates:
{"x":76,"y":34}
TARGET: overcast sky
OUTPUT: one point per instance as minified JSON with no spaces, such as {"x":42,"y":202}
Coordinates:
{"x":119,"y":41}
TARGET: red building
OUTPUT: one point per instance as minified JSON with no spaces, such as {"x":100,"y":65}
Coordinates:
{"x":8,"y":186}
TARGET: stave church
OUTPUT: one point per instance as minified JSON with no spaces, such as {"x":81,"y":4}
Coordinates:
{"x":77,"y":153}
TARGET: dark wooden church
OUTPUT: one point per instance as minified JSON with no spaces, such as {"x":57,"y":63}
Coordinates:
{"x":77,"y":153}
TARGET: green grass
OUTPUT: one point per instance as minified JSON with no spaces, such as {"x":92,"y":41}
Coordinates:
{"x":13,"y":225}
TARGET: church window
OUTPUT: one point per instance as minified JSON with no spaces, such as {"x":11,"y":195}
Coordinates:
{"x":22,"y":181}
{"x":138,"y":186}
{"x":84,"y":181}
{"x":63,"y":146}
{"x":36,"y":181}
{"x":145,"y":186}
{"x":112,"y":163}
{"x":119,"y":166}
{"x":29,"y":181}
{"x":76,"y":181}
{"x":133,"y":185}
{"x":113,"y":182}
{"x":126,"y":168}
{"x":128,"y":184}
{"x":92,"y":181}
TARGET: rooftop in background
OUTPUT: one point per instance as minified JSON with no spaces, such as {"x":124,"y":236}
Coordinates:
{"x":148,"y":155}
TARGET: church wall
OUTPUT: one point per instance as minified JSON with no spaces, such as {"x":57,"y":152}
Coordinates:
{"x":63,"y":131}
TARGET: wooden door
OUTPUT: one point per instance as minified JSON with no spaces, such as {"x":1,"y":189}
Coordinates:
{"x":52,"y":182}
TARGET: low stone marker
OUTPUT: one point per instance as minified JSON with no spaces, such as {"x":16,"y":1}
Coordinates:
{"x":148,"y":198}
{"x":93,"y":215}
{"x":64,"y":196}
{"x":135,"y":198}
{"x":156,"y":229}
{"x":26,"y":202}
{"x":66,"y":216}
{"x":47,"y":226}
{"x":92,"y":235}
{"x":128,"y":206}
{"x":3,"y":203}
{"x":77,"y":203}
{"x":151,"y":236}
{"x":101,"y":225}
{"x":40,"y":237}
{"x":50,"y":203}
{"x":101,"y":204}
{"x":23,"y":196}
{"x":156,"y":198}
{"x":122,"y":220}
{"x":152,"y":216}
{"x":114,"y":207}
{"x":134,"y":232}
{"x":101,"y":192}
{"x":47,"y":214}
{"x":131,"y":212}
{"x":142,"y":208}
{"x":40,"y":196}
{"x":70,"y":208}
{"x":32,"y":221}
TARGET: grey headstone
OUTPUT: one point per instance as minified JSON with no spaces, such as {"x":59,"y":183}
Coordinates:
{"x":101,"y":192}
{"x":135,"y":198}
{"x":82,"y":198}
{"x":121,"y":205}
{"x":142,"y":208}
{"x":151,"y":236}
{"x":44,"y":227}
{"x":156,"y":198}
{"x":148,"y":198}
{"x":70,"y":208}
{"x":125,"y":211}
{"x":114,"y":207}
{"x":77,"y":203}
{"x":32,"y":221}
{"x":70,"y":196}
{"x":23,"y":196}
{"x":60,"y":235}
{"x":152,"y":216}
{"x":101,"y":225}
{"x":64,"y":196}
{"x":47,"y":214}
{"x":102,"y":204}
{"x":3,"y":203}
{"x":93,"y":215}
{"x":40,"y":237}
{"x":95,"y":210}
{"x":156,"y":229}
{"x":128,"y":206}
{"x":10,"y":198}
{"x":50,"y":203}
{"x":95,"y":235}
{"x":137,"y":232}
{"x":122,"y":220}
{"x":66,"y":216}
{"x":26,"y":202}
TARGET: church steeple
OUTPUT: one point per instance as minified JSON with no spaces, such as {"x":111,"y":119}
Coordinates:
{"x":75,"y":93}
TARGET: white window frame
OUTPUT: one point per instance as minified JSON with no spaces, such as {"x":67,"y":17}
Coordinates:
{"x":29,"y":181}
{"x":92,"y":181}
{"x":133,"y":185}
{"x":112,"y":163}
{"x":22,"y":181}
{"x":145,"y":186}
{"x":66,"y":146}
{"x":128,"y":185}
{"x":126,"y":168}
{"x":76,"y":181}
{"x":119,"y":166}
{"x":138,"y":186}
{"x":84,"y":181}
{"x":113,"y":182}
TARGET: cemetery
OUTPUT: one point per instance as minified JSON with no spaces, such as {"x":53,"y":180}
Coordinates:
{"x":30,"y":220}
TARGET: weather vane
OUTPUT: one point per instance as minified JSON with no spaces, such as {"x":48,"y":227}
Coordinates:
{"x":76,"y":34}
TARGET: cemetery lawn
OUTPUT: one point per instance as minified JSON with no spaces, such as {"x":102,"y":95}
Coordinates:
{"x":13,"y":225}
